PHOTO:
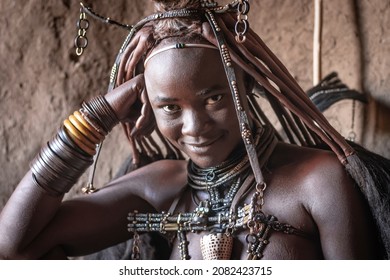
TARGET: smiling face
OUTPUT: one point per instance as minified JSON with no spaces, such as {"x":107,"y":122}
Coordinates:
{"x":192,"y":103}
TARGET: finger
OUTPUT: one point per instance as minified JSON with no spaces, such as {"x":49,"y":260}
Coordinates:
{"x":143,"y":117}
{"x":123,"y":98}
{"x":145,"y":124}
{"x":145,"y":130}
{"x":133,"y":147}
{"x":142,"y":39}
{"x":136,"y":56}
{"x":124,"y":59}
{"x":127,"y":53}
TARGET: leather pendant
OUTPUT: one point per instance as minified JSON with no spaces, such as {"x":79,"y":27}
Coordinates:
{"x":216,"y":246}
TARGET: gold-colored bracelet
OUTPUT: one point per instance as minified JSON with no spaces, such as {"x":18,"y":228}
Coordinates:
{"x":77,"y":134}
{"x":82,"y":146}
{"x":96,"y":133}
{"x":79,"y":126}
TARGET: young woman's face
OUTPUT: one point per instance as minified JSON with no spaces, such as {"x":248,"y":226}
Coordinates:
{"x":192,"y":103}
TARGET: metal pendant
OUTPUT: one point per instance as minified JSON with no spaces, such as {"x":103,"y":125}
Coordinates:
{"x":216,"y":246}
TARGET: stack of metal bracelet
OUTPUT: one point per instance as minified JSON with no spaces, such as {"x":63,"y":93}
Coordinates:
{"x":61,"y":162}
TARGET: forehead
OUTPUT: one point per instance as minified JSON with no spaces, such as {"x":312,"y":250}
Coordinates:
{"x":187,"y":67}
{"x":185,"y":59}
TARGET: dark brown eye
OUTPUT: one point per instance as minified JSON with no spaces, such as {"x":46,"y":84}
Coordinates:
{"x":171,"y":108}
{"x":214,"y":99}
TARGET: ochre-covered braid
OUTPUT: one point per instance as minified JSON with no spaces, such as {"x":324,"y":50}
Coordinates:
{"x":289,"y":93}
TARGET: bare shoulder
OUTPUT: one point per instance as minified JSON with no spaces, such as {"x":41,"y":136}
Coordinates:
{"x":312,"y":178}
{"x":157,"y":183}
{"x":322,"y":187}
{"x":288,"y":154}
{"x":315,"y":180}
{"x":311,"y":166}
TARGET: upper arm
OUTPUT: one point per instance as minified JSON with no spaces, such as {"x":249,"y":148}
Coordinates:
{"x":93,"y":222}
{"x":33,"y":224}
{"x":89,"y":223}
{"x":340,"y":212}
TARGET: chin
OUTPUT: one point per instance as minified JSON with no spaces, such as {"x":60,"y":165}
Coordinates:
{"x":206,"y":161}
{"x":212,"y":155}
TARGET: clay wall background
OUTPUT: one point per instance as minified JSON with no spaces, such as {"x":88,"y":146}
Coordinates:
{"x":42,"y":81}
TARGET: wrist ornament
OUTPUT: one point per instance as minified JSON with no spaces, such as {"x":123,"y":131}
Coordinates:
{"x":63,"y":159}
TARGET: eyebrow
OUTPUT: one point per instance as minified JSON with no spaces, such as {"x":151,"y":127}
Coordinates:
{"x":211,"y":90}
{"x":163,"y":99}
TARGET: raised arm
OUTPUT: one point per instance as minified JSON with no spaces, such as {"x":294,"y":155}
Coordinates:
{"x":35,"y":220}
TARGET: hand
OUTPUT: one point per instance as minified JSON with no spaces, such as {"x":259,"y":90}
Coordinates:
{"x":131,"y":105}
{"x":131,"y":57}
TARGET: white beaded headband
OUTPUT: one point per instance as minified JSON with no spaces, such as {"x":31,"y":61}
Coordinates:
{"x":178,"y":46}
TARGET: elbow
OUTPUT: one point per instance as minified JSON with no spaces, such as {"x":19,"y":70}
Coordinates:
{"x":7,"y":253}
{"x":10,"y":251}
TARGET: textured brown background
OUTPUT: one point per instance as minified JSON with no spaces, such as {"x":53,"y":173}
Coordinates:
{"x":42,"y":81}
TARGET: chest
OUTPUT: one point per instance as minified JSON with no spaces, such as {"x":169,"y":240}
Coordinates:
{"x":273,"y":240}
{"x":280,"y":246}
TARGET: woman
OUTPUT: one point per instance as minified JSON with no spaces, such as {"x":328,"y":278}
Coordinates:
{"x":242,"y":194}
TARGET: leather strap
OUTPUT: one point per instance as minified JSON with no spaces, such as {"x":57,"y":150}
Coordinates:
{"x":241,"y":113}
{"x":264,"y":152}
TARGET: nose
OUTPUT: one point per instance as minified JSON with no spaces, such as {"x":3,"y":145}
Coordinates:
{"x":196,"y":123}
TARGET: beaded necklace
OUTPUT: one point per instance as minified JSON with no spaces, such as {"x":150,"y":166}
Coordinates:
{"x":215,"y":180}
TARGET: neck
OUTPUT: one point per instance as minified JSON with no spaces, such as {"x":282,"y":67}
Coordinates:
{"x":222,"y":182}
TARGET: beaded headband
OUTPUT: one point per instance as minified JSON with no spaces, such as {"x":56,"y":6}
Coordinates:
{"x":178,"y":46}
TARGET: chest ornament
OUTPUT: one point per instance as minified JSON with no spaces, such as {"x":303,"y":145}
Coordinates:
{"x":222,"y":214}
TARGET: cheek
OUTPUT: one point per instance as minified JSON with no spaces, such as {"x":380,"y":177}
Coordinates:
{"x":227,"y":116}
{"x":168,"y":128}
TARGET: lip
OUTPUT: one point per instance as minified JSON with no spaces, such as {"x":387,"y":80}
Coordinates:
{"x":202,"y":147}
